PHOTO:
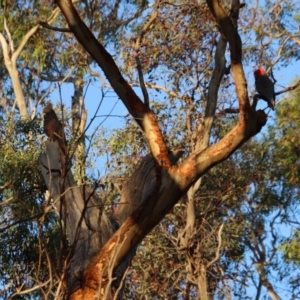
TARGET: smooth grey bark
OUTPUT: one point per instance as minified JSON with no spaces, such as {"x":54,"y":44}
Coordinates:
{"x":84,"y":221}
{"x":11,"y":55}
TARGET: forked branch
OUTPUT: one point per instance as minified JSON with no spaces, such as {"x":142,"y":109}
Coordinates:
{"x":172,"y":182}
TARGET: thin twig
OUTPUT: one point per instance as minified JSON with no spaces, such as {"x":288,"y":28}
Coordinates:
{"x":217,"y":257}
{"x":288,"y":89}
{"x":136,"y":47}
{"x":46,"y":25}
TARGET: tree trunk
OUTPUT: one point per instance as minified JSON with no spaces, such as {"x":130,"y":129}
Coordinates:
{"x":202,"y":285}
{"x":83,"y":219}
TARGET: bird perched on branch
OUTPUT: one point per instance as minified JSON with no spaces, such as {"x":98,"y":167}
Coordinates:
{"x":53,"y":127}
{"x":265,"y":87}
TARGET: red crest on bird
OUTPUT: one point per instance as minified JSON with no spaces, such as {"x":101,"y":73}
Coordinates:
{"x":260,"y":72}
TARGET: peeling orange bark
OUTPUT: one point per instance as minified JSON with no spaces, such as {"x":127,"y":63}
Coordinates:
{"x":171,"y":182}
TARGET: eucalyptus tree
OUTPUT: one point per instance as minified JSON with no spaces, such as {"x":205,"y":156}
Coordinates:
{"x":77,"y":239}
